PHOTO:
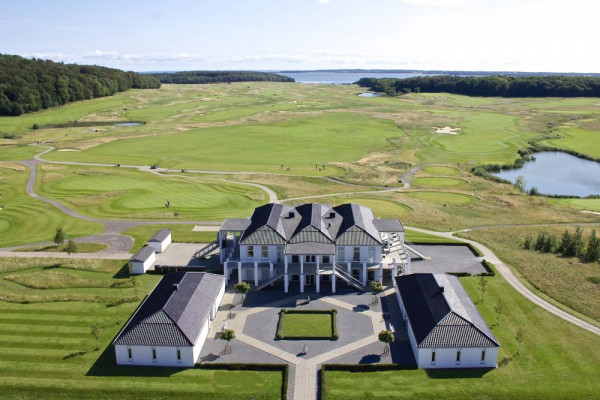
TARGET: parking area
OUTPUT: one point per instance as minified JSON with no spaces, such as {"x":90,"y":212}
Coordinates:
{"x":446,"y":259}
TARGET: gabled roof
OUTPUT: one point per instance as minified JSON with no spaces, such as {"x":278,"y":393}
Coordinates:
{"x":235,"y":224}
{"x":175,"y":312}
{"x":142,"y":254}
{"x":388,"y":225}
{"x":311,"y":227}
{"x":270,"y":215}
{"x":442,"y":317}
{"x":360,"y":218}
{"x":160,"y":235}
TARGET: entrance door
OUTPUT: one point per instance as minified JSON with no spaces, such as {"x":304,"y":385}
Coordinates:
{"x":309,"y":280}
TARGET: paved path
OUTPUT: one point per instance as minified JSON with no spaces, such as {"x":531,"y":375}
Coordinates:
{"x":510,"y":277}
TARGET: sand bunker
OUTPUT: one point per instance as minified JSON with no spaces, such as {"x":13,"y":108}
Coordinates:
{"x":447,"y":130}
{"x":67,"y":150}
{"x":591,"y":212}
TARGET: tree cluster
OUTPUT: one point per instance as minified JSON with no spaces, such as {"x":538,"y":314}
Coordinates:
{"x":28,"y":85}
{"x":219,"y":76}
{"x":569,"y":245}
{"x":497,"y":85}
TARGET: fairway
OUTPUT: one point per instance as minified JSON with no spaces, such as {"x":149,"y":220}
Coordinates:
{"x":47,"y":349}
{"x":557,"y":360}
{"x":441,"y":170}
{"x":302,"y":144}
{"x":583,"y":204}
{"x":438,"y":182}
{"x":129,"y":194}
{"x":585,"y":141}
{"x":443,"y":197}
{"x":381,"y":207}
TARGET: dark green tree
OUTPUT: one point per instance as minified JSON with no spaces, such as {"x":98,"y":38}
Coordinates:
{"x":593,"y":248}
{"x":386,"y":337}
{"x":59,"y":236}
{"x":243,"y":288}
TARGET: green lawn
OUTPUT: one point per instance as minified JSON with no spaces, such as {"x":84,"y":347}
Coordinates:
{"x":47,"y":349}
{"x":182,"y":233}
{"x":26,"y":220}
{"x":557,"y":360}
{"x":81,"y":248}
{"x":586,"y":141}
{"x":255,"y":147}
{"x":441,"y":170}
{"x":381,"y":207}
{"x":583,"y":204}
{"x":425,"y":238}
{"x":305,"y":325}
{"x":438,"y":182}
{"x":18,"y":153}
{"x":122,"y":193}
{"x":443,"y":197}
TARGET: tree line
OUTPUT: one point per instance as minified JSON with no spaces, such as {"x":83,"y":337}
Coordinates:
{"x":28,"y":85}
{"x":569,"y":245}
{"x":498,"y":86}
{"x":219,"y":77}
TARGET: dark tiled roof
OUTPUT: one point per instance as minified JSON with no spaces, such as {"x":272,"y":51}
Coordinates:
{"x":173,"y":317}
{"x":270,"y":215}
{"x":235,"y":224}
{"x":142,"y":254}
{"x":445,"y":318}
{"x":160,"y":235}
{"x":388,"y":225}
{"x":357,"y":216}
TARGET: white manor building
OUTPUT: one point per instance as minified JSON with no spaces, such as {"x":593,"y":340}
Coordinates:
{"x":312,"y":245}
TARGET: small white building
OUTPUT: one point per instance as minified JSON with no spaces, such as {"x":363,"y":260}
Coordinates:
{"x":160,"y":241}
{"x":142,"y":260}
{"x":444,"y":328}
{"x":171,"y":325}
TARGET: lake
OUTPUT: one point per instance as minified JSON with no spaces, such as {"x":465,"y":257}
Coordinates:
{"x":558,"y":173}
{"x":341,"y":78}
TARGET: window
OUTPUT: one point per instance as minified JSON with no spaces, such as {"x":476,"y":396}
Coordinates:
{"x":356,"y":254}
{"x":371,"y":253}
{"x":264,"y":251}
{"x":483,"y":356}
{"x":458,"y":356}
{"x":433,"y":357}
{"x":153,"y":355}
{"x":310,"y":259}
{"x":279,"y":254}
{"x":129,"y":354}
{"x":341,"y":253}
{"x":326,"y":259}
{"x":250,"y":251}
{"x":178,"y":355}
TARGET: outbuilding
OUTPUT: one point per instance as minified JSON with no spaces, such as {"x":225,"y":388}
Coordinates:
{"x":142,"y":260}
{"x":444,"y":328}
{"x":160,"y":241}
{"x":171,"y":325}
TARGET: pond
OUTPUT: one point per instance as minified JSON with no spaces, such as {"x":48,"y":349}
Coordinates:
{"x":369,"y":94}
{"x":558,"y":173}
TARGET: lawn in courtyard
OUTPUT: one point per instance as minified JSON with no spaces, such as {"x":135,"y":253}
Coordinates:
{"x":306,"y":324}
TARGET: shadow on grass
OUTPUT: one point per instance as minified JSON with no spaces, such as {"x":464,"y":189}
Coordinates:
{"x":76,"y":354}
{"x":464,"y":373}
{"x":106,"y":365}
{"x":123,"y":272}
{"x":53,"y":266}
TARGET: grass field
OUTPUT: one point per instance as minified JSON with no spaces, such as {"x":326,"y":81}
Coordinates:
{"x":424,"y":238}
{"x":18,"y":153}
{"x":25,"y":220}
{"x":561,"y":278}
{"x":441,"y":170}
{"x":305,"y":325}
{"x":81,"y":248}
{"x":438,"y":182}
{"x":557,"y":360}
{"x":130,"y":194}
{"x":382,"y":208}
{"x":47,"y":349}
{"x":576,"y":138}
{"x":584,"y":204}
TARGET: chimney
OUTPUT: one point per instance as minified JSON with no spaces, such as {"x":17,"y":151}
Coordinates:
{"x":331,"y":215}
{"x":291,"y":214}
{"x":441,"y":289}
{"x":175,"y":286}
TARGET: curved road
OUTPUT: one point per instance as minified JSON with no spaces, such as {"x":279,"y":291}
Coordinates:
{"x":118,"y":242}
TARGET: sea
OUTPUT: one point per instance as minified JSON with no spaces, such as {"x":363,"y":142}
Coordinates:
{"x":342,"y":78}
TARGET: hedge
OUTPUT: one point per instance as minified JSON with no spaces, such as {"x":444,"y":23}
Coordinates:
{"x":358,"y":368}
{"x":284,"y":368}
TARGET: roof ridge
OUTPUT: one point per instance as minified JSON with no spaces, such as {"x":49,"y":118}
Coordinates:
{"x":433,"y":328}
{"x":171,"y":318}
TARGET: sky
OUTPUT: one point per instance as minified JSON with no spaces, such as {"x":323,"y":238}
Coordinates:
{"x":177,"y":35}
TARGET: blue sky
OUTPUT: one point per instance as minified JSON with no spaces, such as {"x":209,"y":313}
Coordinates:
{"x":526,"y":35}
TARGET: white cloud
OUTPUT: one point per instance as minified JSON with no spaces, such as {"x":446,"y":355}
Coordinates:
{"x":439,"y":3}
{"x":324,"y":1}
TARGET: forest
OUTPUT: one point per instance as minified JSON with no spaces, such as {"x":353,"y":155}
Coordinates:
{"x":497,"y":86}
{"x":28,"y":85}
{"x":219,"y":77}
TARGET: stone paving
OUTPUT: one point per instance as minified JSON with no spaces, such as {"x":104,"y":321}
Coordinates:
{"x":255,"y":323}
{"x":447,"y":258}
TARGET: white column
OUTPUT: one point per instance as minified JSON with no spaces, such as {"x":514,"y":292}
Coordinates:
{"x":286,"y":279}
{"x":394,"y":271}
{"x":364,"y":274}
{"x":270,"y":270}
{"x":333,"y":281}
{"x":255,"y":273}
{"x":226,"y":272}
{"x":239,"y":271}
{"x":381,"y":272}
{"x":221,"y":249}
{"x":318,"y":281}
{"x":349,"y":268}
{"x":302,"y":274}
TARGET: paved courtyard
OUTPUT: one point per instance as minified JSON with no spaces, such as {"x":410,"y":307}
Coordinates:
{"x":359,"y":320}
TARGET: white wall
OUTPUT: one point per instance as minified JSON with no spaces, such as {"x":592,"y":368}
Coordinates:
{"x":159,"y":247}
{"x":272,"y":253}
{"x":141,"y":267}
{"x":469,"y":358}
{"x":364,"y":253}
{"x":165,"y":356}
